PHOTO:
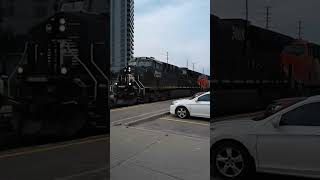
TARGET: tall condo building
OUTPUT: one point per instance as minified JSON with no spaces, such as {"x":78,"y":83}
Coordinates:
{"x":122,"y":30}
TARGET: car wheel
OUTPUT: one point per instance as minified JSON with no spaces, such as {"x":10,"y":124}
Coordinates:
{"x":182,"y":112}
{"x":231,"y":161}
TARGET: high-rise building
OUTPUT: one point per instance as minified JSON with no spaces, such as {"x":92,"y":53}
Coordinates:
{"x":122,"y":29}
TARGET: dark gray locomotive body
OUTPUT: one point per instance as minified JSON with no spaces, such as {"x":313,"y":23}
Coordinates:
{"x":146,"y":79}
{"x":62,"y":81}
{"x":246,"y":66}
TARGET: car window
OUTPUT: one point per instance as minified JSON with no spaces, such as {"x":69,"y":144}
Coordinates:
{"x":306,"y":115}
{"x":276,"y":107}
{"x":204,"y":98}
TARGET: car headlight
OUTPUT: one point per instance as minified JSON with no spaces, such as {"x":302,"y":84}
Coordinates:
{"x":64,"y":70}
{"x":130,"y":84}
{"x":62,"y":28}
{"x":115,"y":83}
{"x":20,"y":70}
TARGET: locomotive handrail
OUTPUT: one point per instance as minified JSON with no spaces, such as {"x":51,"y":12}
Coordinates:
{"x":15,"y":70}
{"x":92,"y":46}
{"x":86,"y":68}
{"x":144,"y":91}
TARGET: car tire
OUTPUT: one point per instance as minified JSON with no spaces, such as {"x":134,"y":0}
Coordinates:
{"x":231,"y":161}
{"x":182,"y":112}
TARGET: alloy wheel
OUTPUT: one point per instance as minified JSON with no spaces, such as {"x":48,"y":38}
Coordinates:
{"x":230,"y":162}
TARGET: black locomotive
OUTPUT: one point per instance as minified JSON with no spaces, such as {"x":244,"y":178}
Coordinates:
{"x":145,"y":79}
{"x":246,"y":66}
{"x":61,"y":85}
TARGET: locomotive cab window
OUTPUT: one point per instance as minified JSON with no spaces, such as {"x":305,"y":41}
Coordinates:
{"x":72,"y":6}
{"x":145,"y":63}
{"x":296,"y":49}
{"x":132,"y":63}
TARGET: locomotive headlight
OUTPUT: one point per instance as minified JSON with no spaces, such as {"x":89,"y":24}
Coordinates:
{"x":64,"y":70}
{"x":48,"y":28}
{"x":62,"y":21}
{"x":20,"y":70}
{"x":62,"y":28}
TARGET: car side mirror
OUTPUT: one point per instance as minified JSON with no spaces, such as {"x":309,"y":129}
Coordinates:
{"x":276,"y":122}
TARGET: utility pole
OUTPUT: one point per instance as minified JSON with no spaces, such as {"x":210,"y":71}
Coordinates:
{"x":187,"y":63}
{"x":300,"y":30}
{"x":246,"y":29}
{"x":247,"y":11}
{"x":268,"y":17}
{"x":193,"y":66}
{"x":167,"y":57}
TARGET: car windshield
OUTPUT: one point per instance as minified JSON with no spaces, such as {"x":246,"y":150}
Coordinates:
{"x":277,"y":106}
{"x":196,"y":95}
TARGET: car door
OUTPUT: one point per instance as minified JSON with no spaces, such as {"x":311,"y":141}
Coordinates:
{"x":294,"y":146}
{"x":201,"y":107}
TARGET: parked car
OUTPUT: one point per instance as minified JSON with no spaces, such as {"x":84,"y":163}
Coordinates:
{"x":284,"y":140}
{"x":196,"y":106}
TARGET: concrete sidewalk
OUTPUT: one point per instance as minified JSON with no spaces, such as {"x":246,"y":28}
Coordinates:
{"x":146,"y":154}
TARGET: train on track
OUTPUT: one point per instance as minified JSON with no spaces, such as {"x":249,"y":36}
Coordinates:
{"x":61,"y":83}
{"x":251,"y":66}
{"x":146,"y":79}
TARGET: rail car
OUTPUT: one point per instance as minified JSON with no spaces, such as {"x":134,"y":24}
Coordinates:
{"x":145,"y":79}
{"x":248,"y":66}
{"x":61,"y":84}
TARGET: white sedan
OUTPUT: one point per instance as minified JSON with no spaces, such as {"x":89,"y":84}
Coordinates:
{"x":283,"y":140}
{"x":197,"y":106}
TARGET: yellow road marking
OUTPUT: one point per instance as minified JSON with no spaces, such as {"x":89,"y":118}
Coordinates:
{"x":46,"y":148}
{"x":182,"y":121}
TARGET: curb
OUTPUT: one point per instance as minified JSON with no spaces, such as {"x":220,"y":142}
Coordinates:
{"x":149,"y":118}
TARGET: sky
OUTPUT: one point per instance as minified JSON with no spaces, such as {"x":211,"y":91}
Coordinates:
{"x":179,"y":27}
{"x":284,"y":15}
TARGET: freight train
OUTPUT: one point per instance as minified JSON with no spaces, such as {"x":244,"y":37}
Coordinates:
{"x":252,"y":66}
{"x":61,"y":84}
{"x":146,"y":79}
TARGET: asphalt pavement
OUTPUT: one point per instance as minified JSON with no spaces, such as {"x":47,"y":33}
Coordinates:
{"x":81,"y":159}
{"x":137,"y":112}
{"x":160,"y":148}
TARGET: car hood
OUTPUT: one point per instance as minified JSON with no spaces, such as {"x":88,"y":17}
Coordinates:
{"x":182,"y":101}
{"x":239,"y":124}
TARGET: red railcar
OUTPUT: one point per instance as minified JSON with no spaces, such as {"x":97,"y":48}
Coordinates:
{"x":300,"y":61}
